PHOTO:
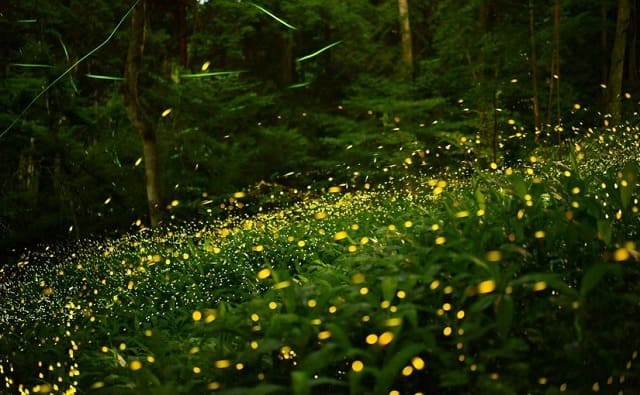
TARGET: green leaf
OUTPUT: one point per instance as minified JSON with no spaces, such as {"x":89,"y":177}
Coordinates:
{"x":393,"y":366}
{"x":389,"y":286}
{"x":300,"y":383}
{"x":595,"y":274}
{"x":604,"y":231}
{"x":504,"y":316}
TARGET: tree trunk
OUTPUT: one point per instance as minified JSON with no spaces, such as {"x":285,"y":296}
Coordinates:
{"x":534,"y":71}
{"x":554,"y":78}
{"x":182,"y":33}
{"x":616,"y":71}
{"x":137,"y":115}
{"x":405,"y":29}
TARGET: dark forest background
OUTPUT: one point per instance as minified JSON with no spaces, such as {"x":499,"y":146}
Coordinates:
{"x":282,"y":94}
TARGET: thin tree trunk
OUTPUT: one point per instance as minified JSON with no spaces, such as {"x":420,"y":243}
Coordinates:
{"x":182,"y":33}
{"x":137,"y":115}
{"x":405,"y":29}
{"x":616,"y":71}
{"x":534,"y":71}
{"x":554,"y":78}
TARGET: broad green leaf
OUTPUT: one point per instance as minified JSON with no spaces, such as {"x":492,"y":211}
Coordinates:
{"x":389,"y":286}
{"x":504,"y":315}
{"x":300,"y":382}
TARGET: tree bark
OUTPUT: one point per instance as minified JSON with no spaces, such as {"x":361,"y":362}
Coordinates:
{"x":137,"y":115}
{"x":554,"y":78}
{"x":616,"y":71}
{"x":407,"y":45}
{"x":534,"y":71}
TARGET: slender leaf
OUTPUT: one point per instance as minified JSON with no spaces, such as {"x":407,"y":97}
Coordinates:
{"x":104,"y":77}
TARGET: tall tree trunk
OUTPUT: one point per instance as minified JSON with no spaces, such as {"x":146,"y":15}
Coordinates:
{"x":182,"y":32}
{"x":137,"y":115}
{"x":616,"y":71}
{"x":534,"y":71}
{"x":405,"y":29}
{"x":554,"y":78}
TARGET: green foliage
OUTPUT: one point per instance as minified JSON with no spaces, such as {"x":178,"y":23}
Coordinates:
{"x":485,"y":284}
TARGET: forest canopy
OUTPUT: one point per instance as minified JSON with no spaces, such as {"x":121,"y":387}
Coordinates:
{"x":190,"y":101}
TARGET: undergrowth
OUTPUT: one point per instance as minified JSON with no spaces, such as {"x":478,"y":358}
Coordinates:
{"x":511,"y":281}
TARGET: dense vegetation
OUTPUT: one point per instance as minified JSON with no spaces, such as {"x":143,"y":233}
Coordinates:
{"x":515,"y":280}
{"x":386,"y":197}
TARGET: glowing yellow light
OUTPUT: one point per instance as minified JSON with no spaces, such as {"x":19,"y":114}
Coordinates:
{"x":166,"y":112}
{"x":352,"y":248}
{"x":340,"y":235}
{"x":332,"y":309}
{"x":494,"y":256}
{"x":392,"y":227}
{"x":357,"y":366}
{"x":205,"y":66}
{"x":460,"y":314}
{"x":408,"y":224}
{"x":391,"y":322}
{"x":324,"y":335}
{"x":407,"y":370}
{"x":264,"y":273}
{"x":196,"y":370}
{"x":511,"y":121}
{"x":135,"y":365}
{"x":364,"y":291}
{"x":493,"y":165}
{"x":621,"y":254}
{"x":255,"y":317}
{"x":539,"y":286}
{"x":222,"y":363}
{"x":371,"y":339}
{"x":150,"y":359}
{"x":358,"y":278}
{"x":440,"y":240}
{"x":434,"y":284}
{"x":401,"y":294}
{"x":385,"y":338}
{"x":335,"y":189}
{"x":175,"y":203}
{"x":540,"y":234}
{"x":364,"y":241}
{"x":462,"y":214}
{"x":576,"y":106}
{"x":213,"y":386}
{"x":417,"y":363}
{"x":107,"y":200}
{"x":312,"y":303}
{"x":486,"y":287}
{"x":447,"y":331}
{"x":282,"y":285}
{"x":320,"y":215}
{"x":257,"y":248}
{"x":196,"y":315}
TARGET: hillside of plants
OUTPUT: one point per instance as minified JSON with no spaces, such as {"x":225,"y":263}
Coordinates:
{"x":303,"y":197}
